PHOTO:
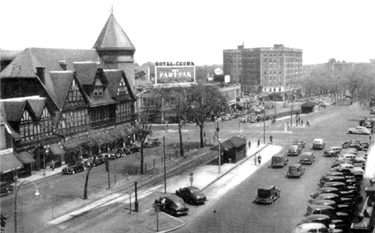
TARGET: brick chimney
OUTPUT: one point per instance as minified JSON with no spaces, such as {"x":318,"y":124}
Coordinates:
{"x":62,"y":64}
{"x":40,"y":72}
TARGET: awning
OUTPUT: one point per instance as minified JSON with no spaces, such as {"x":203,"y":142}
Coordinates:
{"x":56,"y":149}
{"x":25,"y":157}
{"x":71,"y":144}
{"x":9,"y":162}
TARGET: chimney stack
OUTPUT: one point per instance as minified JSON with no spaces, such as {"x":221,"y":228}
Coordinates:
{"x":62,"y":64}
{"x":40,"y":72}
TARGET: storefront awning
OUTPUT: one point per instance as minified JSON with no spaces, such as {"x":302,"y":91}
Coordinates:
{"x":9,"y":162}
{"x":56,"y":149}
{"x":71,"y":144}
{"x":25,"y":157}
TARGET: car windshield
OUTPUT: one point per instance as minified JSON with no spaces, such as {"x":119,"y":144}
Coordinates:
{"x":277,"y":159}
{"x":293,"y":169}
{"x":305,"y":156}
{"x":194,"y":189}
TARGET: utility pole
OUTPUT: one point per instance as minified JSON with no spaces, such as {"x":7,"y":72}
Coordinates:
{"x":264,"y":125}
{"x":165,"y":169}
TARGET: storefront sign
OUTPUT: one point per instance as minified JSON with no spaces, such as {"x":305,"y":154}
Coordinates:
{"x":179,"y":63}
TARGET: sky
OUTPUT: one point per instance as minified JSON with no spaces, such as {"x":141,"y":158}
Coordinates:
{"x":196,"y":30}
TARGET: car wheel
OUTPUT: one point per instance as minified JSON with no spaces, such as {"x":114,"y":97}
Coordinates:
{"x":73,"y":172}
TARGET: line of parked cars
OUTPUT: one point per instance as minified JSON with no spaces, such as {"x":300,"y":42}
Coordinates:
{"x":175,"y":204}
{"x":332,"y":206}
{"x":115,"y":153}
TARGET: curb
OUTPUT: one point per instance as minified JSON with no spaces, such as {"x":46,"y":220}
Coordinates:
{"x":234,"y":167}
{"x":174,"y":228}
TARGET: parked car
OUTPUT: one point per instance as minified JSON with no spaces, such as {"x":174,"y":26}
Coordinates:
{"x":294,"y":150}
{"x":316,"y":218}
{"x":357,"y":171}
{"x":332,"y":151}
{"x":343,"y":188}
{"x":152,"y":142}
{"x":6,"y":188}
{"x":267,"y":195}
{"x":77,"y":167}
{"x":325,"y":179}
{"x":307,"y":158}
{"x":99,"y":159}
{"x":318,"y":144}
{"x":356,"y":144}
{"x":311,"y":227}
{"x":135,"y":147}
{"x":119,"y":152}
{"x":279,"y":160}
{"x":327,"y":210}
{"x":191,"y":195}
{"x":173,"y":205}
{"x":300,"y":143}
{"x":295,"y":171}
{"x":324,"y":190}
{"x":359,"y":130}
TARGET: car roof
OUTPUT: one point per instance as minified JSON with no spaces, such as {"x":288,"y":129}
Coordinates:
{"x":334,"y":183}
{"x":293,"y":146}
{"x":320,"y":207}
{"x":278,"y":155}
{"x":318,"y":139}
{"x":310,"y":226}
{"x":307,"y":153}
{"x":317,"y":216}
{"x":267,"y":187}
{"x":173,"y":198}
{"x":295,"y":165}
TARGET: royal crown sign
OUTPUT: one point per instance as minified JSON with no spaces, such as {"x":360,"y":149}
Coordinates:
{"x":167,"y":73}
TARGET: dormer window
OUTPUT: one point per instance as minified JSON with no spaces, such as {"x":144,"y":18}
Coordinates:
{"x":99,"y":88}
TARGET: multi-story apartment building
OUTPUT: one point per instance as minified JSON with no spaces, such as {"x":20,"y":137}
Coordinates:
{"x":268,"y":70}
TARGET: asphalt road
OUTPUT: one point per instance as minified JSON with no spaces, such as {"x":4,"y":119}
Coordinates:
{"x":236,"y":212}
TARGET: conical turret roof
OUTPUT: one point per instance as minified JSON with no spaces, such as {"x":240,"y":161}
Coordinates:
{"x":113,"y":37}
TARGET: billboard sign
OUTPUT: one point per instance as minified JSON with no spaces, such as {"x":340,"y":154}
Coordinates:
{"x":167,"y":73}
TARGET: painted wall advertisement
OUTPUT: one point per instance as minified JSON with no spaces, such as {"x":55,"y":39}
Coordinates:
{"x":174,"y":73}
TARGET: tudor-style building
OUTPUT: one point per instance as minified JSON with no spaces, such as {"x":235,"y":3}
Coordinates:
{"x":84,"y":92}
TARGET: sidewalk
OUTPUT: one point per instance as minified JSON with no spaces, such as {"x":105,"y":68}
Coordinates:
{"x":205,"y":176}
{"x":40,"y":174}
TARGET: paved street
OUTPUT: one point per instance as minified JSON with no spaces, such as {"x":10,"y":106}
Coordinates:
{"x":230,"y":212}
{"x":236,"y":212}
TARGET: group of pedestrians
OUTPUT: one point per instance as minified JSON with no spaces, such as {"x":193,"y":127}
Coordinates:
{"x":299,"y":121}
{"x":257,"y":159}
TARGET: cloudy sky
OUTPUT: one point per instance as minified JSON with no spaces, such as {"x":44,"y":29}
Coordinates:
{"x":197,"y":30}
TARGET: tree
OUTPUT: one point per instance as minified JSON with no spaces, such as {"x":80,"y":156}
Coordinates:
{"x":177,"y":100}
{"x":143,"y":126}
{"x":204,"y":102}
{"x":92,"y":159}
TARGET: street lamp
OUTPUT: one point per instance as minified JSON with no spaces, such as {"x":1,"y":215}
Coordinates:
{"x":37,"y":193}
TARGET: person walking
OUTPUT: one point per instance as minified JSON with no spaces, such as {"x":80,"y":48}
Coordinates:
{"x":3,"y":222}
{"x":249,"y":144}
{"x":301,"y":122}
{"x":258,"y":142}
{"x":307,"y":123}
{"x":271,"y":139}
{"x":53,"y":165}
{"x":255,"y":159}
{"x":259,"y":159}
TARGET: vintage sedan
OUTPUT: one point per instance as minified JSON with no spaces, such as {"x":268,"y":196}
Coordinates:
{"x":359,"y":130}
{"x":294,"y":150}
{"x":152,"y":142}
{"x":307,"y":158}
{"x":267,"y":195}
{"x":77,"y":167}
{"x":191,"y":195}
{"x":311,"y":227}
{"x":300,"y":143}
{"x":173,"y":205}
{"x":332,"y":151}
{"x":295,"y":171}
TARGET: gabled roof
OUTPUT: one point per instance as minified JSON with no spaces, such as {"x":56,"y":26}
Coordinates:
{"x":13,"y":110}
{"x":61,"y":82}
{"x":85,"y":72}
{"x":37,"y":105}
{"x":114,"y":78}
{"x":113,"y":37}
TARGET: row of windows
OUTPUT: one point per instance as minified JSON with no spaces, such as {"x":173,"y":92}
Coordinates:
{"x":73,"y":119}
{"x":123,"y":110}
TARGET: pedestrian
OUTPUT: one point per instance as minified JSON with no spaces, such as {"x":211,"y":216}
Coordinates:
{"x":259,"y":159}
{"x":271,"y":139}
{"x":307,"y":123}
{"x":3,"y":222}
{"x":53,"y":165}
{"x":255,"y":159}
{"x":296,"y":121}
{"x":301,"y":122}
{"x":258,"y":142}
{"x":249,"y":144}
